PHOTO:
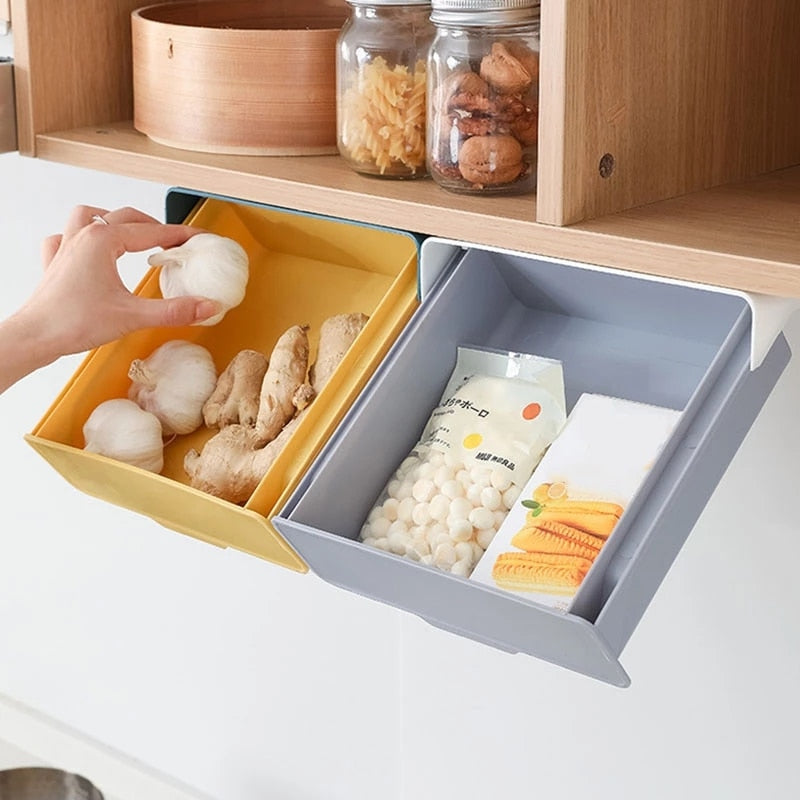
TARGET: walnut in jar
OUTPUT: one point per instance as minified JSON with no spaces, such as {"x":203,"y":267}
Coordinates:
{"x":504,"y":72}
{"x":491,"y":160}
{"x":460,"y":88}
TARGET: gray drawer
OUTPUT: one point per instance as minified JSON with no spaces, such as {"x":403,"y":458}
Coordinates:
{"x":678,"y":346}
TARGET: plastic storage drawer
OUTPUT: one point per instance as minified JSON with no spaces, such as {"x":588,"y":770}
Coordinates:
{"x":303,"y":268}
{"x":683,"y":347}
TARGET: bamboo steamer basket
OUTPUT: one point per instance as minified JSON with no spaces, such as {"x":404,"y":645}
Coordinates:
{"x":238,"y":76}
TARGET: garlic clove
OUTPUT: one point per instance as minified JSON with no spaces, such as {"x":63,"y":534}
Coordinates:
{"x":173,"y":383}
{"x":206,"y":265}
{"x":121,"y":430}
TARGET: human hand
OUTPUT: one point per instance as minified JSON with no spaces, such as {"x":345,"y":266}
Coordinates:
{"x":81,"y":301}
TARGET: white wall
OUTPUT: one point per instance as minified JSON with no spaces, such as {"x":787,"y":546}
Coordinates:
{"x":247,"y":681}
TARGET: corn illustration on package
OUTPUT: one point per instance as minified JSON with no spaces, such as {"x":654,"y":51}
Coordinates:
{"x":573,"y":502}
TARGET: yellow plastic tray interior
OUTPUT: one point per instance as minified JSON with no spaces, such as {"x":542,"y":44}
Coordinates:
{"x":302,"y":270}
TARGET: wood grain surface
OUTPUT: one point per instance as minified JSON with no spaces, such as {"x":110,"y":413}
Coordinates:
{"x":243,"y":77}
{"x":744,"y":235}
{"x":683,"y":95}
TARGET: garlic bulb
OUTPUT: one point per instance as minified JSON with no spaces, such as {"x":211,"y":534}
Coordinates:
{"x":121,"y":430}
{"x":173,"y":383}
{"x":207,"y":265}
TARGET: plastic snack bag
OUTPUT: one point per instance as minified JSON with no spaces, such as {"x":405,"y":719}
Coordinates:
{"x":497,"y":415}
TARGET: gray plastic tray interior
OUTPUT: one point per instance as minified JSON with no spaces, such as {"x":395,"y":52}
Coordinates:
{"x":652,"y":342}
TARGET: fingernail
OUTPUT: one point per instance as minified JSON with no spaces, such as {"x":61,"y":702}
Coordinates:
{"x":205,"y":309}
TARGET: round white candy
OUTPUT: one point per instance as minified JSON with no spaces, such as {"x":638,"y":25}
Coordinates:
{"x":442,"y":475}
{"x":481,"y":518}
{"x":460,"y":507}
{"x":379,"y":527}
{"x":420,"y":544}
{"x":491,"y":498}
{"x":404,"y":489}
{"x":474,"y":494}
{"x":405,"y":509}
{"x":480,"y":476}
{"x":423,"y":490}
{"x":428,"y":559}
{"x":397,"y":543}
{"x":464,"y":478}
{"x":439,"y":538}
{"x":369,"y":540}
{"x":500,"y":480}
{"x":460,"y":529}
{"x":444,"y":555}
{"x":440,"y":507}
{"x":421,"y":515}
{"x":464,"y":552}
{"x":461,"y":568}
{"x":452,"y":489}
{"x":510,"y":496}
{"x":484,"y":537}
{"x":382,"y":543}
{"x":398,"y":527}
{"x":426,"y":470}
{"x":499,"y":517}
{"x":477,"y":552}
{"x":390,"y":509}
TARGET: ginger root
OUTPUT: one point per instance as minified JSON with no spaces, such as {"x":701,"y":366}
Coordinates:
{"x":282,"y":389}
{"x":235,"y":459}
{"x":336,"y":335}
{"x":236,"y":396}
{"x":229,"y":464}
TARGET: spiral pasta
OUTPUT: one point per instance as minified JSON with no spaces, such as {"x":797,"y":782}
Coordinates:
{"x":382,"y":121}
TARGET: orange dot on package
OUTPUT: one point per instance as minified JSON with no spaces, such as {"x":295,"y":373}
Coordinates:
{"x":472,"y":441}
{"x":531,"y":411}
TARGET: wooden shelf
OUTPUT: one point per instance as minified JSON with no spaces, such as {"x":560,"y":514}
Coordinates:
{"x":743,"y":236}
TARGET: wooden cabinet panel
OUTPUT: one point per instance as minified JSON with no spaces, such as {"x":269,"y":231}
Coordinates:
{"x":644,"y":100}
{"x":73,"y":64}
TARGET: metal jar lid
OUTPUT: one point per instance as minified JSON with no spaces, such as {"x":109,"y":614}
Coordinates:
{"x":484,"y":12}
{"x":389,"y":2}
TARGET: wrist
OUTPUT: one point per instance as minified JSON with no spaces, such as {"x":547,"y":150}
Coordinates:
{"x":25,"y":346}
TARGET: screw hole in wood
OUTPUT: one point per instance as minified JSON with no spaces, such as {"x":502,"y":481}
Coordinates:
{"x":606,"y":166}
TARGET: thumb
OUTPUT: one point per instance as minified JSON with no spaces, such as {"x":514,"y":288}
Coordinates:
{"x":49,"y":247}
{"x":178,"y":311}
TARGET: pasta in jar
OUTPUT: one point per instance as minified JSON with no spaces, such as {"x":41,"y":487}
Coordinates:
{"x":381,"y":88}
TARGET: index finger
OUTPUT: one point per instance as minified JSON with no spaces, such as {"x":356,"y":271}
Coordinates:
{"x":83,"y":215}
{"x":133,"y":237}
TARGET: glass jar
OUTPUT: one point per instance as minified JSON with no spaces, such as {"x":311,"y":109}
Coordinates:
{"x":483,"y":96}
{"x":381,"y":79}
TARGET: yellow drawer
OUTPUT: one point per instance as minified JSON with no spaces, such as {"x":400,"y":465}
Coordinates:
{"x":303,"y":269}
